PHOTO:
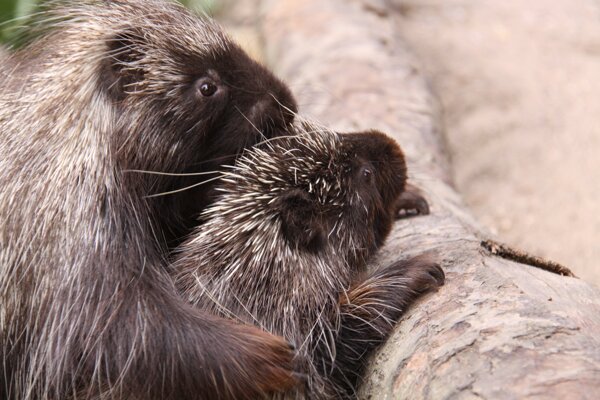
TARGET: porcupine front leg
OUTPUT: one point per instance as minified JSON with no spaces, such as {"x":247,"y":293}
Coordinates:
{"x":371,"y":308}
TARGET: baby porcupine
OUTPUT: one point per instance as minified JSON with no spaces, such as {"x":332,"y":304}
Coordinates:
{"x":285,"y":247}
{"x":108,"y":92}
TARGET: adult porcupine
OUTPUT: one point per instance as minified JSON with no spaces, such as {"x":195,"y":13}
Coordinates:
{"x":286,"y":243}
{"x":87,"y":309}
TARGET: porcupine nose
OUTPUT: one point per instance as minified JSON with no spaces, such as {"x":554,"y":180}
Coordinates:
{"x":272,"y":116}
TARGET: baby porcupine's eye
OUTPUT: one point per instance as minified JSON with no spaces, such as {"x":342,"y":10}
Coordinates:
{"x":366,"y":174}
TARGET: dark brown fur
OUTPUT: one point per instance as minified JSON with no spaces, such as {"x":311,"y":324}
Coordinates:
{"x":87,"y":309}
{"x":286,"y":244}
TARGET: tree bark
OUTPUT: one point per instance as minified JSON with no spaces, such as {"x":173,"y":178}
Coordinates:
{"x":498,"y":329}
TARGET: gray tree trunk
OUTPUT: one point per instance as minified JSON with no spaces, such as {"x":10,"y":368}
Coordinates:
{"x":498,"y":329}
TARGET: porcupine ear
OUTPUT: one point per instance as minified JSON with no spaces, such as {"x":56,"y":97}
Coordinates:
{"x":121,"y":67}
{"x":300,"y":223}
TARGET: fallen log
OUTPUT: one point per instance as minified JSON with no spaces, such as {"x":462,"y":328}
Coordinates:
{"x":498,"y":329}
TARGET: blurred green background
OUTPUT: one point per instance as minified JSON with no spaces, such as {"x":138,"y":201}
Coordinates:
{"x":13,"y":11}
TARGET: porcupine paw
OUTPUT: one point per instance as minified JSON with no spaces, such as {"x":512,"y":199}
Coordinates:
{"x":268,"y":361}
{"x":389,"y":291}
{"x":411,"y":203}
{"x":419,"y":274}
{"x":371,"y":309}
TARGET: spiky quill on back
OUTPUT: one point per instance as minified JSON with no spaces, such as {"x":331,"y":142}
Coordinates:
{"x":244,"y":231}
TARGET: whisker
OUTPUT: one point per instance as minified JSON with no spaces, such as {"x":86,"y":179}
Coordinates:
{"x":276,"y":138}
{"x":182,"y":189}
{"x":170,"y":173}
{"x":211,"y":160}
{"x":283,"y":105}
{"x":250,"y":122}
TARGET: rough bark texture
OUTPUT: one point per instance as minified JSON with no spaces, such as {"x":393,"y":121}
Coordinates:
{"x":497,"y":329}
{"x":519,"y":83}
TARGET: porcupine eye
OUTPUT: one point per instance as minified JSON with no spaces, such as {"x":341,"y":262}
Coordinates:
{"x":206,"y":87}
{"x":366,"y":174}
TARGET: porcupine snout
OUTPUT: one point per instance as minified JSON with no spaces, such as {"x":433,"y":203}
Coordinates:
{"x":272,"y":115}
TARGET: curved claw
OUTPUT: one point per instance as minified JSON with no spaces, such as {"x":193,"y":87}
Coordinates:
{"x":411,"y":203}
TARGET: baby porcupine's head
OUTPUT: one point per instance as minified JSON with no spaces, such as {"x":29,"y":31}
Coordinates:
{"x":327,"y":190}
{"x":296,"y":216}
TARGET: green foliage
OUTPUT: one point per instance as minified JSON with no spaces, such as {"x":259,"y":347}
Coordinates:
{"x":24,"y":7}
{"x":10,"y":13}
{"x":207,"y":6}
{"x":7,"y":9}
{"x":7,"y":13}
